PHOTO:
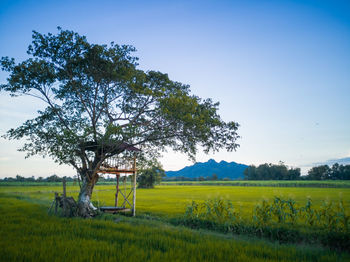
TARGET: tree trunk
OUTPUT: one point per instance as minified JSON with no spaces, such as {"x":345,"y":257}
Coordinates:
{"x":85,"y":207}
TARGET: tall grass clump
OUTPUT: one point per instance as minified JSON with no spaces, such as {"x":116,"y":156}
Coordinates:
{"x":278,"y":219}
{"x":214,"y":214}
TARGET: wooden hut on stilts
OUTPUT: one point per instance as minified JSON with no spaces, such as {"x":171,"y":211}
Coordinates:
{"x":122,"y":169}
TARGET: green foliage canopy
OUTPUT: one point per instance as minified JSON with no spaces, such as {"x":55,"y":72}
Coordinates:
{"x":147,"y":178}
{"x":97,"y":100}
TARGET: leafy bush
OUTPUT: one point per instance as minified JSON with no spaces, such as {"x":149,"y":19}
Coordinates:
{"x":147,"y":178}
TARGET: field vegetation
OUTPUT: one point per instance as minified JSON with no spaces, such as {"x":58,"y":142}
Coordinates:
{"x":165,"y":216}
{"x":30,"y":234}
{"x":170,"y":201}
{"x":279,"y":219}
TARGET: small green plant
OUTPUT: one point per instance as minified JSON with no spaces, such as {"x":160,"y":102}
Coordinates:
{"x":309,"y":213}
{"x":327,"y":216}
{"x":262,"y":214}
{"x":344,"y":218}
{"x":278,"y":209}
{"x":293,"y":211}
{"x":213,"y":213}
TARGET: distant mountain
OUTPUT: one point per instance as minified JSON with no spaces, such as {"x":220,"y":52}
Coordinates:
{"x":223,"y":169}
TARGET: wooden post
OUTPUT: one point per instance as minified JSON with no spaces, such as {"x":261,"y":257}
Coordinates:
{"x":56,"y":202}
{"x":64,"y":187}
{"x":64,"y":197}
{"x":117,"y":193}
{"x":134,"y":196}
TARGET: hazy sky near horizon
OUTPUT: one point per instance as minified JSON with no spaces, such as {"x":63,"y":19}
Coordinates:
{"x":279,"y":68}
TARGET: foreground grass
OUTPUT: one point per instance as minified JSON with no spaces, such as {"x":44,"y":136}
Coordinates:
{"x":29,"y":234}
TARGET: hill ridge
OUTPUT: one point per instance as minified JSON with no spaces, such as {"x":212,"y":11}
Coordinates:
{"x":222,"y":169}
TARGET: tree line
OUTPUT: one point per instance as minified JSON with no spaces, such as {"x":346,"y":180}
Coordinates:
{"x":52,"y":178}
{"x":146,"y":178}
{"x":283,"y":172}
{"x":271,"y":172}
{"x":324,"y":172}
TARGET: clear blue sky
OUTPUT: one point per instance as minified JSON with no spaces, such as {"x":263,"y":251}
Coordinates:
{"x":279,"y":68}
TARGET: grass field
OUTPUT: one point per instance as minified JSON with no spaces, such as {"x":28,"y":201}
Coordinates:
{"x":29,"y":233}
{"x":173,"y":200}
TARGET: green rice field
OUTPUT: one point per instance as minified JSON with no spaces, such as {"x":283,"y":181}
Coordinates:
{"x":173,"y":200}
{"x":29,"y":233}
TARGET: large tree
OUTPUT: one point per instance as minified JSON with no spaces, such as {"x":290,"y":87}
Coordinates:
{"x":98,"y":103}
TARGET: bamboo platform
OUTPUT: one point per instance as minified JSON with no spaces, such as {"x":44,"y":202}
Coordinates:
{"x":114,"y":210}
{"x":118,"y":166}
{"x":115,"y":171}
